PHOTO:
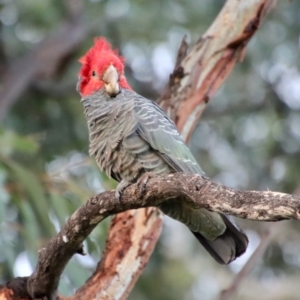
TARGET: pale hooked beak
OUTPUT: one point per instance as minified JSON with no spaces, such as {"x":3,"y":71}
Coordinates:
{"x":111,"y":79}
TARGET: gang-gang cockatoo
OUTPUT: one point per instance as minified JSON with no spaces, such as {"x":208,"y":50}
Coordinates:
{"x":130,"y":136}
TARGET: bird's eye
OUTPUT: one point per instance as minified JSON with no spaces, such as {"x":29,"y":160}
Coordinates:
{"x":93,"y":73}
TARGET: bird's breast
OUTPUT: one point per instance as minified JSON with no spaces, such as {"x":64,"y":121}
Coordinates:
{"x":116,"y":145}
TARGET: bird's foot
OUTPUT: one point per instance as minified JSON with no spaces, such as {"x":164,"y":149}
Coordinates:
{"x":142,"y":182}
{"x":120,"y":188}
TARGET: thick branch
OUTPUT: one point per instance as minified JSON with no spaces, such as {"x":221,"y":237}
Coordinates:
{"x":135,"y":249}
{"x":199,"y":74}
{"x":195,"y":190}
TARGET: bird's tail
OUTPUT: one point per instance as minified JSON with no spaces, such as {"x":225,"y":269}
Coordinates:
{"x":228,"y":246}
{"x":218,"y":235}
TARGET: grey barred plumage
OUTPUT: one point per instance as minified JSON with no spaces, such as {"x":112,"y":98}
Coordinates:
{"x":129,"y":136}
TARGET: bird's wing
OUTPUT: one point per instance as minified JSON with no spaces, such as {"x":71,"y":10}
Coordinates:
{"x":161,"y":133}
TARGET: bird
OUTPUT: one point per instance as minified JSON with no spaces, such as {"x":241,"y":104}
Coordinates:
{"x":131,"y":136}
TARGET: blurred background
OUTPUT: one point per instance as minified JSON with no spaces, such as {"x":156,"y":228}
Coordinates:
{"x":248,"y":138}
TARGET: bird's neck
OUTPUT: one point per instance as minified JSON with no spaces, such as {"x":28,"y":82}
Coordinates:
{"x":96,"y":99}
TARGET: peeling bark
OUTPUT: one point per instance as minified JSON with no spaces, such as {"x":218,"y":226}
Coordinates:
{"x":200,"y":73}
{"x":132,"y":251}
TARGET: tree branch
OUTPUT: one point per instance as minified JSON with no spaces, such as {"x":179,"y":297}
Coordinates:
{"x":195,"y":190}
{"x":200,"y":73}
{"x":265,"y":239}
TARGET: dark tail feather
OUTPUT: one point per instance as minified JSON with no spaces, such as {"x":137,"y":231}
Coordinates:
{"x":227,"y":247}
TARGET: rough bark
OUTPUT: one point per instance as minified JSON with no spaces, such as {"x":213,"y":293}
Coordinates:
{"x":129,"y":248}
{"x":196,"y":77}
{"x":197,"y":191}
{"x":199,"y":74}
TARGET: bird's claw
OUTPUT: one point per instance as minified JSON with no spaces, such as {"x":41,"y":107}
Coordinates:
{"x":120,"y":188}
{"x":142,"y":182}
{"x":118,"y":195}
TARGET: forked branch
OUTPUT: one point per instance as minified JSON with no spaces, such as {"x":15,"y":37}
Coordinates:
{"x":195,"y":190}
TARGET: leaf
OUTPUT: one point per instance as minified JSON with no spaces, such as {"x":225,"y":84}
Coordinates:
{"x":36,"y":195}
{"x":10,"y":142}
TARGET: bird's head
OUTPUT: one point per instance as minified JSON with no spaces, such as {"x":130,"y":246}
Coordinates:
{"x":102,"y":67}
